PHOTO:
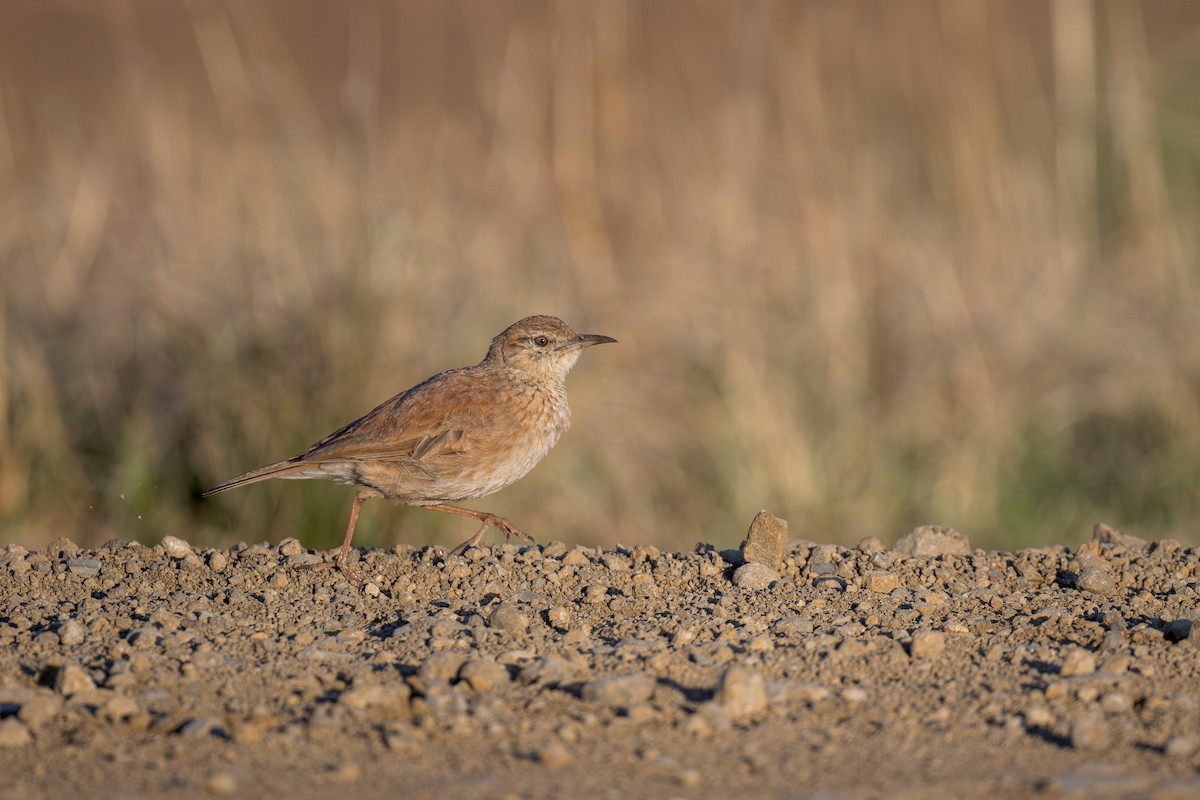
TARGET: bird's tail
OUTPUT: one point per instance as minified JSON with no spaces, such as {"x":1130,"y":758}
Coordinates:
{"x":280,"y":469}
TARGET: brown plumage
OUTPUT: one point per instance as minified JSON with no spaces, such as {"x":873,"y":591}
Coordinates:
{"x":460,"y":435}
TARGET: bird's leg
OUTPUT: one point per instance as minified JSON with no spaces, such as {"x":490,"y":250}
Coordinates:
{"x":340,"y":560}
{"x":487,"y":519}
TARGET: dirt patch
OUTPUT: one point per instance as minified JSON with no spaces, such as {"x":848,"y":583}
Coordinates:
{"x":539,"y":671}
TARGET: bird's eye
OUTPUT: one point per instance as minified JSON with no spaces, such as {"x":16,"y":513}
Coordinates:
{"x":541,"y":341}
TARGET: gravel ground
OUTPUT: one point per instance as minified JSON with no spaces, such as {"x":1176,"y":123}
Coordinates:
{"x":785,"y":669}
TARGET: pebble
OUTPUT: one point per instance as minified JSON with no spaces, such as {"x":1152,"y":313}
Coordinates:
{"x":1078,"y":661}
{"x":1178,"y":630}
{"x":38,"y":707}
{"x":1182,"y":746}
{"x":555,"y":755}
{"x":483,"y":675}
{"x":72,"y":679}
{"x":375,"y":695}
{"x":927,"y":541}
{"x":508,"y":618}
{"x":619,"y":691}
{"x":854,"y":694}
{"x":13,"y":733}
{"x":559,"y":617}
{"x":1094,"y":575}
{"x":1039,"y":716}
{"x":199,"y":726}
{"x":595,"y":594}
{"x":175,"y":547}
{"x":927,"y":644}
{"x":290,"y":547}
{"x":1106,"y":534}
{"x":85,"y":567}
{"x":444,"y":665}
{"x":741,"y":693}
{"x":766,"y":541}
{"x":754,"y":576}
{"x":71,"y":632}
{"x":576,"y":558}
{"x":217,"y":561}
{"x":120,"y":708}
{"x":61,"y":546}
{"x":878,"y":580}
{"x":870,"y":545}
{"x":549,"y":671}
{"x":1090,"y":731}
{"x":222,"y":784}
{"x":1116,"y":702}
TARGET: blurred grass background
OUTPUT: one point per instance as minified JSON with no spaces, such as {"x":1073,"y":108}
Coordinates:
{"x":871,"y":264}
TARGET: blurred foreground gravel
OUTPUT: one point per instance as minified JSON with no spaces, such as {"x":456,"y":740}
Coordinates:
{"x":928,"y":669}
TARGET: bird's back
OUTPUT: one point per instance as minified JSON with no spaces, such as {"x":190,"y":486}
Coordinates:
{"x":461,"y":434}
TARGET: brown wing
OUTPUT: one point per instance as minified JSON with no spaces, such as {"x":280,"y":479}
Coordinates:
{"x":428,"y":421}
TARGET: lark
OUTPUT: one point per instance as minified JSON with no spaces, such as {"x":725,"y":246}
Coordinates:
{"x":461,"y":435}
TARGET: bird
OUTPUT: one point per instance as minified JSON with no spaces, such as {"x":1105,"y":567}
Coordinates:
{"x":460,"y":435}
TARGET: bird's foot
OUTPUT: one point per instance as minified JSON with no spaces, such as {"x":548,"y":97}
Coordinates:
{"x":507,"y":528}
{"x":343,"y":565}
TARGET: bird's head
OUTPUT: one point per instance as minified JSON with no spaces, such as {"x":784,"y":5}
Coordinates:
{"x":543,"y":346}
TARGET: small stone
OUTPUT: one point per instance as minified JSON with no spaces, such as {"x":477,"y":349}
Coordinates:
{"x":741,"y":693}
{"x":199,"y":726}
{"x":290,"y":547}
{"x":927,"y":644}
{"x":217,"y":561}
{"x":1094,"y":575}
{"x":72,"y":679}
{"x":870,"y":545}
{"x":1078,"y":661}
{"x":854,"y":694}
{"x":878,"y":580}
{"x":576,"y":558}
{"x":1089,"y":731}
{"x":375,"y":695}
{"x":933,"y":540}
{"x":1039,"y":716}
{"x":766,"y":541}
{"x":1116,"y":702}
{"x":1182,"y":746}
{"x":39,"y":707}
{"x":554,"y":550}
{"x":84,"y":567}
{"x":555,"y":755}
{"x":508,"y":618}
{"x":175,"y":547}
{"x":559,"y":617}
{"x":549,"y":671}
{"x":120,"y":708}
{"x":71,"y":632}
{"x":1178,"y":630}
{"x":614,"y":562}
{"x":13,"y":733}
{"x":246,"y":731}
{"x":483,"y":675}
{"x":619,"y":691}
{"x":62,"y":546}
{"x":442,"y":665}
{"x":348,"y":772}
{"x":222,"y":784}
{"x":595,"y":594}
{"x":754,"y":576}
{"x":1106,"y":534}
